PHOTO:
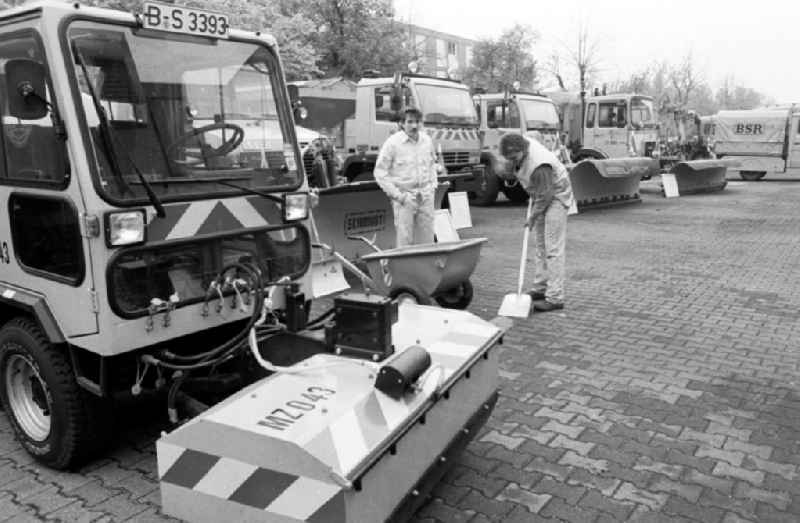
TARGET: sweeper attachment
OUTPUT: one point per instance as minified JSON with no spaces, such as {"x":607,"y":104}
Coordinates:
{"x":700,"y":176}
{"x":359,"y":430}
{"x":597,"y":183}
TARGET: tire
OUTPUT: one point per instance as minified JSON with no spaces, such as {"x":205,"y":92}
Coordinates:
{"x":516,"y":193}
{"x":457,"y":298}
{"x":752,"y":176}
{"x":407,"y":293}
{"x":487,"y":189}
{"x":54,"y":419}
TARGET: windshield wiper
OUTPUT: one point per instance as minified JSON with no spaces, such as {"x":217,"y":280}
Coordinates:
{"x":107,"y":139}
{"x":248,"y":190}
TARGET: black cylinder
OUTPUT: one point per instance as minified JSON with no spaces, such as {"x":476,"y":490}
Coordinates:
{"x":400,"y":374}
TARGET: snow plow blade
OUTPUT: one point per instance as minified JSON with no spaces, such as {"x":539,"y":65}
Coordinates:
{"x":599,"y":183}
{"x":325,"y":445}
{"x":699,"y":176}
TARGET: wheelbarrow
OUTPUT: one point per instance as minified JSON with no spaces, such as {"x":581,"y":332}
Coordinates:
{"x":422,"y":273}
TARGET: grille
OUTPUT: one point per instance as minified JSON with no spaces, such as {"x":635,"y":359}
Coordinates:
{"x":456,"y":158}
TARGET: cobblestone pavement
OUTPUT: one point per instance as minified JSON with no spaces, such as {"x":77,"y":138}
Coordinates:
{"x":666,"y":390}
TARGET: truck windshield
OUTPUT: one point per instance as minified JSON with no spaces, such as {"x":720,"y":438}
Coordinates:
{"x":446,"y":105}
{"x":642,"y":113}
{"x":538,"y":114}
{"x":186,"y":112}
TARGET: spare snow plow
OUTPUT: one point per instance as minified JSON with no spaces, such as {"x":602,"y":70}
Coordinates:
{"x":699,"y":176}
{"x":337,"y":439}
{"x":598,"y":183}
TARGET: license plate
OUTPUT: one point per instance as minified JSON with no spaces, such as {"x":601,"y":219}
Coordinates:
{"x":186,"y":20}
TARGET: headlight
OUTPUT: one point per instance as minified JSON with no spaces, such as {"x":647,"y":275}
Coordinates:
{"x":125,"y":228}
{"x":295,"y":206}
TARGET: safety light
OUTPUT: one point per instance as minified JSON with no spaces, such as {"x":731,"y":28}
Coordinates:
{"x":295,"y":206}
{"x":413,"y":67}
{"x":516,"y":85}
{"x":302,"y":112}
{"x":125,"y":228}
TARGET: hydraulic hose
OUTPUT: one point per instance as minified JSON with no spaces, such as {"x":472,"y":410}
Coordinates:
{"x":215,"y":355}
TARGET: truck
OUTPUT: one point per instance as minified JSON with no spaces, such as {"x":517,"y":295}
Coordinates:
{"x":448,"y":117}
{"x":763,"y":141}
{"x":617,"y":137}
{"x":529,"y":113}
{"x":147,"y":254}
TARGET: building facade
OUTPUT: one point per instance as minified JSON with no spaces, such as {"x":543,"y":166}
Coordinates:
{"x":438,"y":52}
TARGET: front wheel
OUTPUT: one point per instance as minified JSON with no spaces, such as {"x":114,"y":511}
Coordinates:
{"x":752,"y":176}
{"x":487,"y":188}
{"x":52,"y":417}
{"x":458,"y":297}
{"x":516,"y":192}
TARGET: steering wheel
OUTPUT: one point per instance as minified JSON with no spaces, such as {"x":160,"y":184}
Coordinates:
{"x":206,"y":150}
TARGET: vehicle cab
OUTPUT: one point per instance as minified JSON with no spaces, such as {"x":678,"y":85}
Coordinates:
{"x":131,"y":186}
{"x":619,"y":126}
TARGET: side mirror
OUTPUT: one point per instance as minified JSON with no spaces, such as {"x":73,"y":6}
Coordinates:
{"x":26,"y":88}
{"x":378,"y":101}
{"x":294,"y":94}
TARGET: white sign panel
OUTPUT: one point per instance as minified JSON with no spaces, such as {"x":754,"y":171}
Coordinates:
{"x":670,"y":185}
{"x":459,"y":210}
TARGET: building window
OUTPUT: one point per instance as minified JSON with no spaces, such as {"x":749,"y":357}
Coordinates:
{"x":451,"y":48}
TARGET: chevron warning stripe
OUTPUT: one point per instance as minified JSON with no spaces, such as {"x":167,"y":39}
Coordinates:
{"x":233,"y":481}
{"x":213,"y":216}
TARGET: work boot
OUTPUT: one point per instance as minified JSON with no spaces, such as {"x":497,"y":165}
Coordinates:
{"x":545,"y":306}
{"x":536,"y":295}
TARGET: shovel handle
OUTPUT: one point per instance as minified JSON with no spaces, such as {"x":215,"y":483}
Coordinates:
{"x":524,"y":256}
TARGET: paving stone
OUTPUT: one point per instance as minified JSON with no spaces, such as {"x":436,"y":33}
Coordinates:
{"x":595,"y":500}
{"x":591,"y":480}
{"x":753,"y":476}
{"x":630,"y":492}
{"x":531,"y":500}
{"x":724,"y":486}
{"x":671,"y":471}
{"x":690,"y":493}
{"x":499,"y":438}
{"x":681,"y":507}
{"x":733,"y":457}
{"x":558,"y":508}
{"x":779,"y":500}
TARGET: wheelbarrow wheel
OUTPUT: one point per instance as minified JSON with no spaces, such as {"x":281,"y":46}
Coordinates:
{"x":408,"y":294}
{"x":459,"y":297}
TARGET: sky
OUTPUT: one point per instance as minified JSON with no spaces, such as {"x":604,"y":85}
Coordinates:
{"x":754,"y":42}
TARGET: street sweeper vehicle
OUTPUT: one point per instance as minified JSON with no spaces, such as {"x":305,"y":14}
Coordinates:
{"x":762,"y":141}
{"x":146,"y":253}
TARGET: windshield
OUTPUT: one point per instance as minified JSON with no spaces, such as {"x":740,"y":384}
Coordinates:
{"x":186,"y":112}
{"x":642,"y":113}
{"x":445,"y":104}
{"x":539,"y":114}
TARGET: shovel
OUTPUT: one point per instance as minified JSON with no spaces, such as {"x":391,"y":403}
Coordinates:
{"x":519,"y":305}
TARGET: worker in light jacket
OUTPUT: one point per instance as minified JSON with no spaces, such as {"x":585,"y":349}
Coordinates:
{"x":406,"y":171}
{"x":546,"y":180}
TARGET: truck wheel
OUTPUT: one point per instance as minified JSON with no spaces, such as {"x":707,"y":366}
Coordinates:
{"x":516,"y":193}
{"x":458,"y":297}
{"x":52,"y":417}
{"x":752,"y":176}
{"x":487,"y":187}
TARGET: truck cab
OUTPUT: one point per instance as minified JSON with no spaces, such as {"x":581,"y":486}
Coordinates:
{"x":619,"y":126}
{"x":529,"y":114}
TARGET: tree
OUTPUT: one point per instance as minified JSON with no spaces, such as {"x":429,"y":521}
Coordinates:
{"x":497,"y":64}
{"x":732,"y":96}
{"x":352,"y":36}
{"x":291,"y":29}
{"x":685,"y":78}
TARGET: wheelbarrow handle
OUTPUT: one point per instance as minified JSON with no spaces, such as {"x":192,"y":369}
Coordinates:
{"x":366,"y":240}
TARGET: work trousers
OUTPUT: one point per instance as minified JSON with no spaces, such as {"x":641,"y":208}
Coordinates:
{"x":414,"y":221}
{"x":549,"y":237}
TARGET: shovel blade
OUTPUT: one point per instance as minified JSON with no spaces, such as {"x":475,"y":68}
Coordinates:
{"x":327,"y":277}
{"x":515,"y":306}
